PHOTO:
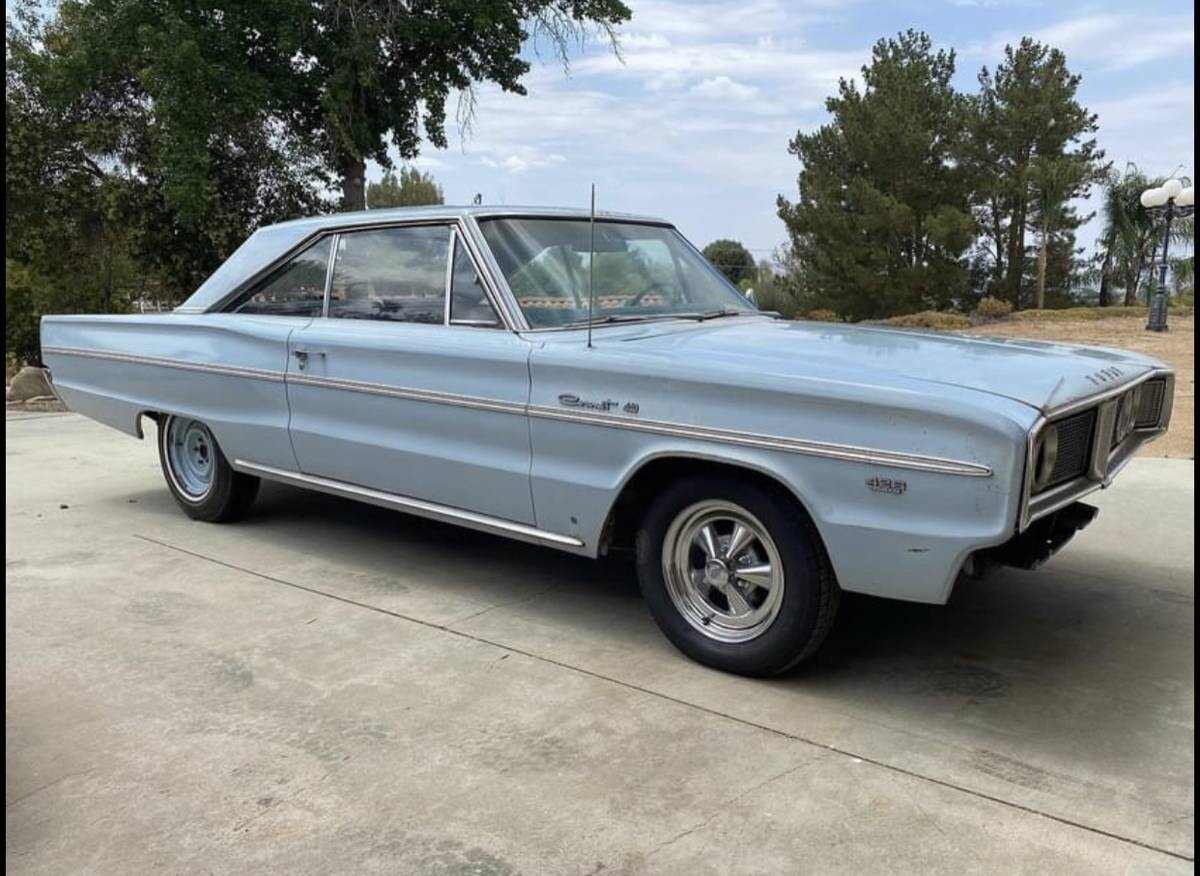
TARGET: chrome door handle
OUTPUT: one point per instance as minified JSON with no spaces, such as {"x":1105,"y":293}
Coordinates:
{"x":302,"y":357}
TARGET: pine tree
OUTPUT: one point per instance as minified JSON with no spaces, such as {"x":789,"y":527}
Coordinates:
{"x":1025,"y":120}
{"x":883,"y":219}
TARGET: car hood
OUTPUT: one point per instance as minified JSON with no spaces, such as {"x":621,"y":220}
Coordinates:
{"x":1040,"y":374}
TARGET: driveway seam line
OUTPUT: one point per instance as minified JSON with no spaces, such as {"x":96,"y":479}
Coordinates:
{"x":982,"y":795}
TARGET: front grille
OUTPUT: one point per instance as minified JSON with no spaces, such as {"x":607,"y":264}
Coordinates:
{"x":1150,"y":404}
{"x":1074,"y":447}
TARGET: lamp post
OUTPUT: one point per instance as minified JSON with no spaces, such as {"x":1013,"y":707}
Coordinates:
{"x":1169,"y":200}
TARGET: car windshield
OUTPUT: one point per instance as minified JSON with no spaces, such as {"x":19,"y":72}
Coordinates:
{"x":640,"y":272}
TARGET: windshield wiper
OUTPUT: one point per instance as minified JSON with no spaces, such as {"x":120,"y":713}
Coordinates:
{"x":697,"y":315}
{"x":612,"y":317}
{"x":713,"y":314}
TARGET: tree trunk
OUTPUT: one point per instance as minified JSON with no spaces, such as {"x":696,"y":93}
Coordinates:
{"x":1016,"y":254}
{"x":1043,"y":256}
{"x":1135,"y":274}
{"x":354,"y":183}
{"x":1106,"y":278}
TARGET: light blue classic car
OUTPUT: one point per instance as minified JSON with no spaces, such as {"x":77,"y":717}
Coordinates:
{"x":590,"y":385}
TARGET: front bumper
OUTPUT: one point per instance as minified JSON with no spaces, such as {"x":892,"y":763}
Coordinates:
{"x":1041,"y":540}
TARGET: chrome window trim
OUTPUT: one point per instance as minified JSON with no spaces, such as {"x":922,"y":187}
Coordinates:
{"x":449,"y":276}
{"x":223,"y":305}
{"x":493,"y":278}
{"x":335,"y":240}
{"x":450,"y":221}
{"x":337,"y":235}
{"x":422,"y":507}
{"x":829,"y":450}
{"x":1106,"y":461}
{"x":459,"y":240}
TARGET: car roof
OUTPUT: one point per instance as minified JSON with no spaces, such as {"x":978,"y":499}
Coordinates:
{"x":270,"y":242}
{"x":448,"y":211}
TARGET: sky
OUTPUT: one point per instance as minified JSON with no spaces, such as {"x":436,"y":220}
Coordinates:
{"x":692,"y":121}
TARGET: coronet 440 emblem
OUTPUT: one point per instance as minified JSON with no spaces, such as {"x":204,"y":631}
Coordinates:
{"x":569,"y":400}
{"x":887,"y":485}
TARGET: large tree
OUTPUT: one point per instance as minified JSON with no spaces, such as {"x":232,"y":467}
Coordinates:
{"x":1053,"y":180}
{"x":411,"y":188}
{"x":122,"y":111}
{"x":732,"y":259}
{"x":347,"y":79}
{"x":882,"y":219}
{"x":1026,"y":120}
{"x":383,"y":71}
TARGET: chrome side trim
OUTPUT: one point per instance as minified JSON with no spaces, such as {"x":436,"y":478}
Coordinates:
{"x":179,"y":364}
{"x":846,"y":452}
{"x":421,"y":507}
{"x":410,"y":394}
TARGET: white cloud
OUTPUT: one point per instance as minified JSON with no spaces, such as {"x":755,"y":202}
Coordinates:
{"x":723,"y":88}
{"x":521,"y":159}
{"x":692,"y":122}
{"x":1114,"y":41}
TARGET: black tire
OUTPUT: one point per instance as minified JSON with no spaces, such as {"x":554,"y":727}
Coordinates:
{"x":810,"y":597}
{"x":229,"y":493}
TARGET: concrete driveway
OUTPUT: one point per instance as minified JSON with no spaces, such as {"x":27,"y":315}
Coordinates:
{"x":330,"y":687}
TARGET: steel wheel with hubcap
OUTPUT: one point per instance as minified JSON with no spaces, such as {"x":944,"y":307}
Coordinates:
{"x":198,"y":474}
{"x":190,"y":457}
{"x":735,"y":574}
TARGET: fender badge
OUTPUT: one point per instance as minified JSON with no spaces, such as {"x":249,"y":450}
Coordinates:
{"x":887,"y":485}
{"x":570,"y":400}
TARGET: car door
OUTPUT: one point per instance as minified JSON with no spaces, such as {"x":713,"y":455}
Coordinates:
{"x":238,"y":359}
{"x":409,"y":383}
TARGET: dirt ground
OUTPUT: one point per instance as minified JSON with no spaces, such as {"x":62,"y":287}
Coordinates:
{"x":1176,"y":347}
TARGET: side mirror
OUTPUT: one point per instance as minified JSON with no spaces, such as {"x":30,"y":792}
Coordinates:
{"x":751,"y":297}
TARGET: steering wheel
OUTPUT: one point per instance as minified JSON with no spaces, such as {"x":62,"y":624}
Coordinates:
{"x":635,"y":300}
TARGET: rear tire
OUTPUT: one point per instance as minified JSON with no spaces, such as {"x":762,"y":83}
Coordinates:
{"x":735,"y":575}
{"x":198,"y":475}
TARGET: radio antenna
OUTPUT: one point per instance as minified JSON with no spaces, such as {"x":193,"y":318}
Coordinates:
{"x":591,"y":262}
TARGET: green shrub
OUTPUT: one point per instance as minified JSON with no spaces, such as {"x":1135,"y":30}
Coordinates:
{"x":21,"y":317}
{"x":774,"y":296}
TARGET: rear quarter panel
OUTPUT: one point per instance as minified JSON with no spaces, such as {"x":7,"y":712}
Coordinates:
{"x":225,"y":369}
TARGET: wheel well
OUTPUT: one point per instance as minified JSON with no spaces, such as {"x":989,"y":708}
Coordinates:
{"x":152,"y":415}
{"x":626,"y":512}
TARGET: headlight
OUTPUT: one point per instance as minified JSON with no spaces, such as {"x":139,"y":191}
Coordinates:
{"x":1045,"y":456}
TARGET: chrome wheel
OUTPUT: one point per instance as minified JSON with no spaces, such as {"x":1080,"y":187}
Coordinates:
{"x":190,"y":453}
{"x":723,"y":571}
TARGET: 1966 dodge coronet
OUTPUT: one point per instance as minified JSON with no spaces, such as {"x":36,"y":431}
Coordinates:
{"x":437,"y":361}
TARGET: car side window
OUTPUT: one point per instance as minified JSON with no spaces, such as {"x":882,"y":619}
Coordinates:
{"x":391,"y":274}
{"x":469,"y":304}
{"x":295,"y":289}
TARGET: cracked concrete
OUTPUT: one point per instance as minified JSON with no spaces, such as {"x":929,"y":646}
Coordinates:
{"x":329,"y":687}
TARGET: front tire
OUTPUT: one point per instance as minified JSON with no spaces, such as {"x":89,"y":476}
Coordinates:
{"x":736,"y":575}
{"x":198,"y":475}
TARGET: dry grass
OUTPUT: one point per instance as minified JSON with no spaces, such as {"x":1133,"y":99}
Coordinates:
{"x":931,"y":319}
{"x":1127,"y":331}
